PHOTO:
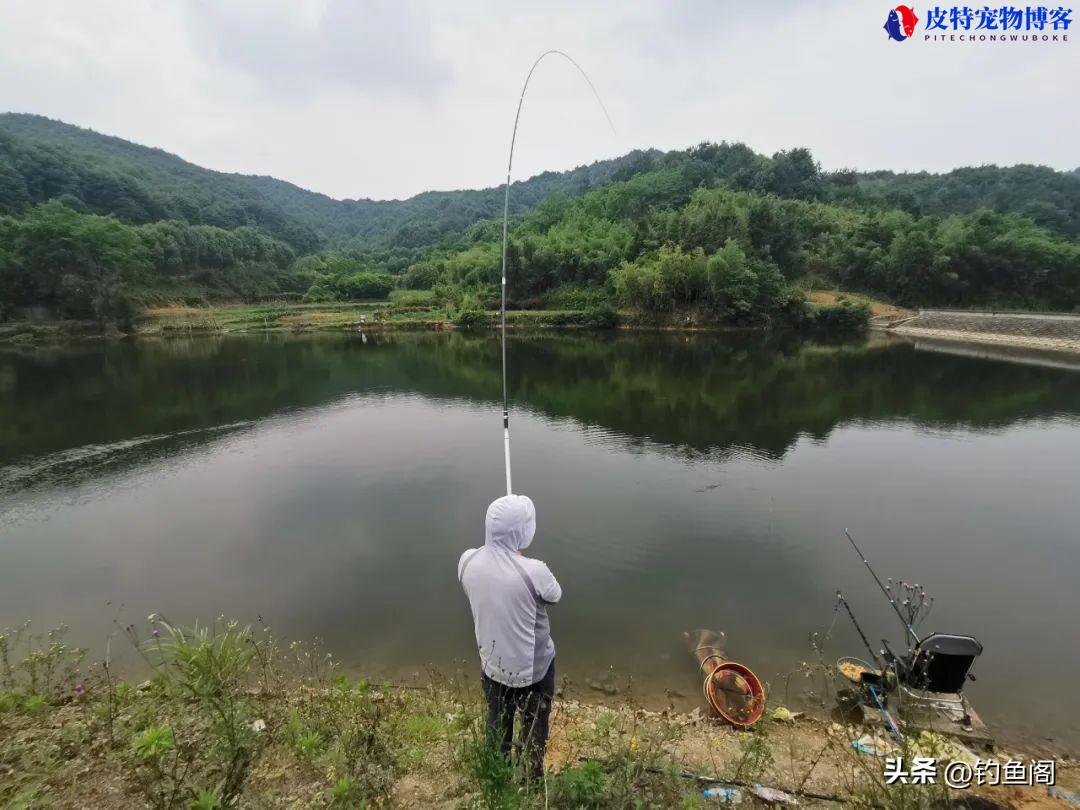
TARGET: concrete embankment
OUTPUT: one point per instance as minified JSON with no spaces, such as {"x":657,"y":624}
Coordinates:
{"x":1033,"y":330}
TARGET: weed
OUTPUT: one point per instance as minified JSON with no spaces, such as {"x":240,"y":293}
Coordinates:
{"x":49,"y":664}
{"x":26,"y":798}
{"x":308,"y":745}
{"x":756,"y":755}
{"x":634,"y":756}
{"x":206,"y":800}
{"x":153,"y":743}
{"x":418,"y":731}
{"x":361,"y":725}
{"x":492,"y":773}
{"x":210,"y":666}
{"x":345,"y":793}
{"x":10,"y":701}
{"x":581,"y":787}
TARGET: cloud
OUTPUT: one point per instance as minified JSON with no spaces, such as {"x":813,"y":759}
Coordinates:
{"x":377,"y":98}
{"x":381,"y":48}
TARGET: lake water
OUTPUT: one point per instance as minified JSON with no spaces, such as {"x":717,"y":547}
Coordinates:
{"x":328,"y":484}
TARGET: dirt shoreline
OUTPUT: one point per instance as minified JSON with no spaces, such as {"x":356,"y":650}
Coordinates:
{"x":808,"y":755}
{"x":231,"y":717}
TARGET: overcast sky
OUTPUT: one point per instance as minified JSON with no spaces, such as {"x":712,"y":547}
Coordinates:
{"x":386,"y":98}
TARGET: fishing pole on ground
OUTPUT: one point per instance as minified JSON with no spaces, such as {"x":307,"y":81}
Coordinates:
{"x":506,"y":214}
{"x":885,"y":713}
{"x":716,"y":780}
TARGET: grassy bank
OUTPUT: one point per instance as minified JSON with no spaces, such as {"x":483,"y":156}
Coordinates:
{"x":829,"y":310}
{"x":337,"y":316}
{"x":421,"y":310}
{"x":225,"y":716}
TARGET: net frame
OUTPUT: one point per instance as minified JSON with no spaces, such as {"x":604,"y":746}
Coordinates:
{"x":712,"y":687}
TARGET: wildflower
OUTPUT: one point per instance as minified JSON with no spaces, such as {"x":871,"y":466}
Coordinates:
{"x":78,"y":687}
{"x":258,"y":725}
{"x":156,"y":632}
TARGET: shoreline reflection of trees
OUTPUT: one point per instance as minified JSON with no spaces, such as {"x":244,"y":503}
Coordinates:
{"x":690,"y":393}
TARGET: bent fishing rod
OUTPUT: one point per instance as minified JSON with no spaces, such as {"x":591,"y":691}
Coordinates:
{"x":506,"y":215}
{"x":884,"y":590}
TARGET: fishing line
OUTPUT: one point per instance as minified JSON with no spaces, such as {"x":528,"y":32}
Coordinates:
{"x":506,"y":213}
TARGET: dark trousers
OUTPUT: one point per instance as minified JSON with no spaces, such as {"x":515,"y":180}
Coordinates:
{"x":534,"y":704}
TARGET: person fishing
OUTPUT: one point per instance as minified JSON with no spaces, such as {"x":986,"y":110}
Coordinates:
{"x":509,"y":594}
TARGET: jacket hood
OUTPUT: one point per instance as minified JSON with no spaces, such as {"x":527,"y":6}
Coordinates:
{"x":510,"y":523}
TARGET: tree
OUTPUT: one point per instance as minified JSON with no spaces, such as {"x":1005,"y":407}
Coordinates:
{"x":792,"y":173}
{"x":363,"y":285}
{"x":77,"y":262}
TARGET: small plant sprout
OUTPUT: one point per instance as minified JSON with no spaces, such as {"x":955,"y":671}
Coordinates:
{"x":153,"y":743}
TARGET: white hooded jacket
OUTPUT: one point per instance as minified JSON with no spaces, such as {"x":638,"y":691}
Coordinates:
{"x":509,"y":595}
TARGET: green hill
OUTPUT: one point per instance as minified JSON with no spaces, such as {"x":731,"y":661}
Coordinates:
{"x":93,"y":226}
{"x":1047,"y":197}
{"x":42,"y":159}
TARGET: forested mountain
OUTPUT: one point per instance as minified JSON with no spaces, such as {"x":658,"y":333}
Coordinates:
{"x":93,"y":226}
{"x":42,"y":159}
{"x":1047,"y":197}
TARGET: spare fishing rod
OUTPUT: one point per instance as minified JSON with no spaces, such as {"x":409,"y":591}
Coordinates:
{"x":840,"y":600}
{"x":506,"y":215}
{"x":884,"y":590}
{"x":871,"y":684}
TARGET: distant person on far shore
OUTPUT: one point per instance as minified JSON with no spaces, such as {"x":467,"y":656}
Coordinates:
{"x":509,"y":594}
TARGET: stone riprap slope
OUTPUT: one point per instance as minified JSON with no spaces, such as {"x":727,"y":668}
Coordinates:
{"x":1059,"y":332}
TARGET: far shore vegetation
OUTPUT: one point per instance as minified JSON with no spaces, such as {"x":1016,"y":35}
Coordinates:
{"x":424,"y":310}
{"x":99,"y":230}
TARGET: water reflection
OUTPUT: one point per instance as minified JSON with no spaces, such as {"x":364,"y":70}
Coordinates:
{"x":329,"y":484}
{"x":698,"y":393}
